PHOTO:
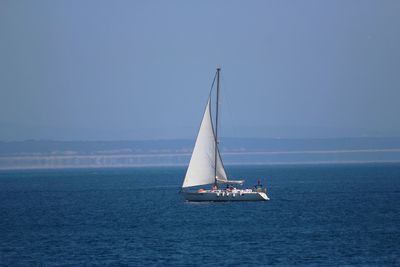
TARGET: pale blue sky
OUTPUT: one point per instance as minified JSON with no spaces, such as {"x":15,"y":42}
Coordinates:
{"x":109,"y":70}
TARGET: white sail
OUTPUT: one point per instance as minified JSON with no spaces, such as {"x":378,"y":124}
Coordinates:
{"x":201,"y":168}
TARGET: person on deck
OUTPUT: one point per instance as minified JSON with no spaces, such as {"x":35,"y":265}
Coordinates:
{"x":258,"y":186}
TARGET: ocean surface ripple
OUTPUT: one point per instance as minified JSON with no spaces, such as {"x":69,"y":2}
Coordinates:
{"x":319,"y":215}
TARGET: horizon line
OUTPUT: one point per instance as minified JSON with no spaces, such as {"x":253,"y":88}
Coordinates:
{"x":190,"y":139}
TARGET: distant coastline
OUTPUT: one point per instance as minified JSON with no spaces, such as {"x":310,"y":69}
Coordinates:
{"x":39,"y":154}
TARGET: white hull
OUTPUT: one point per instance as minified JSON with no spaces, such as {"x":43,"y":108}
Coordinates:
{"x":221,"y":195}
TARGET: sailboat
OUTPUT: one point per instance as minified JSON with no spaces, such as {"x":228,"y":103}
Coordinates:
{"x":206,"y":166}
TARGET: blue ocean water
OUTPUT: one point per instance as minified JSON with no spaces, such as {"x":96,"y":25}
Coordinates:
{"x":319,"y":215}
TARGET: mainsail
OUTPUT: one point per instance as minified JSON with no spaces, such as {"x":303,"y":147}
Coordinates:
{"x":201,"y":168}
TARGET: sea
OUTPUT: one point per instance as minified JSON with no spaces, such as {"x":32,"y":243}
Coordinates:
{"x":318,"y":215}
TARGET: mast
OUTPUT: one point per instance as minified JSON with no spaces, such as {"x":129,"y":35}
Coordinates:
{"x":216,"y":130}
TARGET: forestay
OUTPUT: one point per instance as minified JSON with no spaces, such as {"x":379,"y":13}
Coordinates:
{"x":201,"y":168}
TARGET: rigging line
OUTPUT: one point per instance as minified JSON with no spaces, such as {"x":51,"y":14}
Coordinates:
{"x":212,"y":85}
{"x":222,"y":97}
{"x":209,"y":96}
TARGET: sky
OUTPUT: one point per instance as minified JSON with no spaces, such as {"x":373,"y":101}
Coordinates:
{"x":134,"y":70}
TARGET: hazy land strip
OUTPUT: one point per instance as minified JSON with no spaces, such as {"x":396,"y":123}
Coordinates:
{"x":107,"y":160}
